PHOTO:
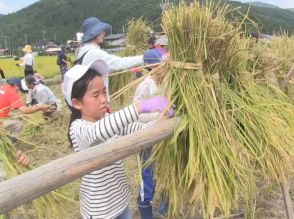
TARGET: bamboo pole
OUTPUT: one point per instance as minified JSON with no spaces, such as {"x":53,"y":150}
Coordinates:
{"x":287,"y":78}
{"x":232,"y":216}
{"x":28,"y":186}
{"x":287,"y":199}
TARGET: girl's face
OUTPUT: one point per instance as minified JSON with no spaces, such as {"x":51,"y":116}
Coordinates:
{"x":93,"y":105}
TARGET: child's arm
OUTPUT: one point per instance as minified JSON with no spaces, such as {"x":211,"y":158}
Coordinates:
{"x":24,"y":61}
{"x":88,"y":133}
{"x":116,"y":63}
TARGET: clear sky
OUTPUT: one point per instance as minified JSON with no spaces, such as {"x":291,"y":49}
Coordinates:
{"x":9,"y":6}
{"x":279,"y":3}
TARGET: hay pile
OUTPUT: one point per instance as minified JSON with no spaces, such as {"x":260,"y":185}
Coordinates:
{"x":138,"y":33}
{"x":52,"y":205}
{"x":234,"y":128}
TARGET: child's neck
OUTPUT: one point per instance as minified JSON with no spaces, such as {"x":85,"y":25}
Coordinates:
{"x":89,"y":119}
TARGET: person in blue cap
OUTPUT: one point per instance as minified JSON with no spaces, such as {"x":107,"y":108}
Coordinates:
{"x":93,"y":34}
{"x":146,"y":89}
{"x":156,"y":51}
{"x":10,"y":98}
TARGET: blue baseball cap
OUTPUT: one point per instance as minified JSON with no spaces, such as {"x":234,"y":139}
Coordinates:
{"x":20,"y":83}
{"x":152,"y":56}
{"x":92,"y":26}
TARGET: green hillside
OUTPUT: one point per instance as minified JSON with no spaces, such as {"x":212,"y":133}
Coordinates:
{"x":64,"y":18}
{"x":263,"y":5}
{"x":271,"y":20}
{"x":61,"y":19}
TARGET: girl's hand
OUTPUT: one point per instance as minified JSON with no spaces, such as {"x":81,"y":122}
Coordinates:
{"x":162,"y":117}
{"x":43,"y":107}
{"x":154,"y":104}
{"x":22,"y":158}
{"x":167,"y":114}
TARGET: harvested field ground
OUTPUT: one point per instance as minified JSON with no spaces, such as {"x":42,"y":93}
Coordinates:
{"x":51,"y":143}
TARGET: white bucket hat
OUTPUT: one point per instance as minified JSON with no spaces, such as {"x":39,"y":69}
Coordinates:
{"x":162,"y":40}
{"x":24,"y":85}
{"x":78,"y":71}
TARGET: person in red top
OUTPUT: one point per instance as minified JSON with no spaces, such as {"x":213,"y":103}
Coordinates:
{"x":10,"y":98}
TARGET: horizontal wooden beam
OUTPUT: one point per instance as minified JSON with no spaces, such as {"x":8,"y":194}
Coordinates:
{"x":30,"y":185}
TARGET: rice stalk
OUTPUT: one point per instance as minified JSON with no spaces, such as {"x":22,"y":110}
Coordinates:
{"x":137,"y":35}
{"x":51,"y":205}
{"x":32,"y":124}
{"x":274,"y":59}
{"x":234,"y":127}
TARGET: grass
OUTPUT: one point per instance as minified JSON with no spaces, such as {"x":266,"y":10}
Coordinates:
{"x":44,"y":141}
{"x":138,"y":33}
{"x":50,"y":143}
{"x":44,"y":65}
{"x":234,"y":128}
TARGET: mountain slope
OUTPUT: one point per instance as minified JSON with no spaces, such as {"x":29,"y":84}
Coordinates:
{"x":263,"y":5}
{"x":271,"y":20}
{"x":63,"y":18}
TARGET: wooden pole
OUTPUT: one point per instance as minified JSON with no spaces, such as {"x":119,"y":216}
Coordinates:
{"x":284,"y":184}
{"x":28,"y":186}
{"x":287,"y":78}
{"x":287,"y":199}
{"x":232,"y":216}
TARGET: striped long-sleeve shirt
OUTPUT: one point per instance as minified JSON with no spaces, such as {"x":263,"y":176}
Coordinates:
{"x":104,"y":193}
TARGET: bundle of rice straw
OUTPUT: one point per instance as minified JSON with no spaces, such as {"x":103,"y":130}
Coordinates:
{"x":138,"y":33}
{"x":52,"y":205}
{"x":233,"y":129}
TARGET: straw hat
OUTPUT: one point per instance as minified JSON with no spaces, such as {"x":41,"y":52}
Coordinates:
{"x":27,"y":48}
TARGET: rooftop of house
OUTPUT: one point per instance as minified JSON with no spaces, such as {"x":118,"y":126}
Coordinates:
{"x":115,"y":36}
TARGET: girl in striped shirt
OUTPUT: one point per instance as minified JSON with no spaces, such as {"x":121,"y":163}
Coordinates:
{"x":104,"y":193}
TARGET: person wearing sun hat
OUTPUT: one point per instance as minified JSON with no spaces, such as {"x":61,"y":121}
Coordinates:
{"x":150,"y":86}
{"x":28,"y":60}
{"x":93,"y":35}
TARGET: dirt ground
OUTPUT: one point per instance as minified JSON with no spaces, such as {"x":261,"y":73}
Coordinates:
{"x":52,"y":142}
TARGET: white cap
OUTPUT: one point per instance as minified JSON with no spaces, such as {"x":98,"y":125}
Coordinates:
{"x":78,"y":71}
{"x":24,"y":85}
{"x":162,"y":40}
{"x":79,"y":36}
